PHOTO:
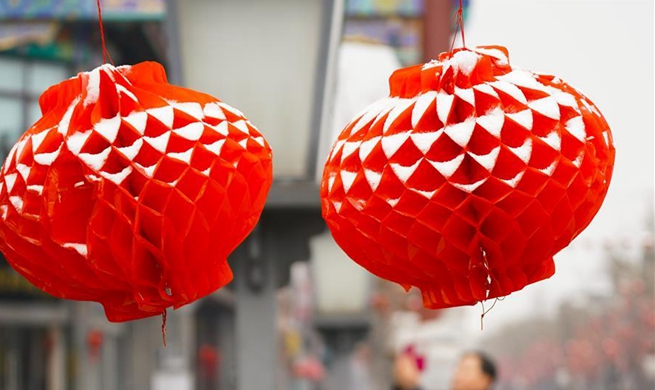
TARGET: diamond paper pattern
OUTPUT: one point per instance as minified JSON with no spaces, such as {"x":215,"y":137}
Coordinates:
{"x":131,"y":192}
{"x":469,"y":178}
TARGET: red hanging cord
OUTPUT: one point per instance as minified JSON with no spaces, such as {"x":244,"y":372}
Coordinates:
{"x":163,"y":327}
{"x":105,"y":52}
{"x":459,"y":26}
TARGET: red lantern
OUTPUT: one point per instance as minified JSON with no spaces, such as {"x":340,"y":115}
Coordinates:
{"x":131,"y":192}
{"x":469,"y":178}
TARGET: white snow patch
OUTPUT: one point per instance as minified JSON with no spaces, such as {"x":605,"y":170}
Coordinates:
{"x":337,"y":148}
{"x":10,"y":180}
{"x":227,"y":107}
{"x":82,"y":249}
{"x":216,"y":147}
{"x":63,"y":125}
{"x":95,"y":161}
{"x":576,"y":127}
{"x":553,"y":140}
{"x":469,"y":187}
{"x":426,"y":194}
{"x":24,"y":171}
{"x":488,"y":161}
{"x":260,"y":140}
{"x":108,"y":128}
{"x":137,"y":120}
{"x":401,"y":106}
{"x":513,"y":182}
{"x":349,"y":148}
{"x":461,"y":132}
{"x":393,"y":202}
{"x":191,"y":108}
{"x":131,"y":151}
{"x":347,"y":178}
{"x":47,"y":158}
{"x":183,"y":156}
{"x":367,"y":146}
{"x":35,"y":188}
{"x":563,"y":98}
{"x":492,"y":122}
{"x":213,"y":110}
{"x":391,"y":143}
{"x":370,"y":113}
{"x":550,"y":169}
{"x":424,"y":141}
{"x":163,"y":114}
{"x":160,"y":143}
{"x":192,"y":131}
{"x":464,"y":61}
{"x":403,"y":172}
{"x":524,"y":151}
{"x":546,"y":106}
{"x":523,"y":118}
{"x":422,"y":104}
{"x":373,"y":178}
{"x":501,"y":58}
{"x":241,"y":125}
{"x":20,"y":145}
{"x":523,"y":78}
{"x":444,"y":106}
{"x":76,"y":141}
{"x":37,"y":139}
{"x":389,"y":105}
{"x":448,"y":168}
{"x":117,"y":177}
{"x":486,"y":89}
{"x":510,"y":89}
{"x":331,"y":179}
{"x":17,"y":202}
{"x":466,"y":94}
{"x":92,"y":87}
{"x":124,"y":91}
{"x":149,"y":171}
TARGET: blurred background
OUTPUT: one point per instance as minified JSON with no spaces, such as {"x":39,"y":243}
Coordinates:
{"x":300,"y":314}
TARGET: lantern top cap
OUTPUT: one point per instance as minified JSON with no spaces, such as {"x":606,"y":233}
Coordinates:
{"x":463,"y":67}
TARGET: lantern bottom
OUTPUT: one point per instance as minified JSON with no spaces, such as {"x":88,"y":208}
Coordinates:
{"x":136,"y":305}
{"x":496,"y":283}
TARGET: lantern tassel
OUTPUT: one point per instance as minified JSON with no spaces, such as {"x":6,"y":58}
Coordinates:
{"x":484,"y":312}
{"x":163,"y":327}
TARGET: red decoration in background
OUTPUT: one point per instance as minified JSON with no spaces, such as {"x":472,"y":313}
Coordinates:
{"x":94,"y":340}
{"x":131,"y":192}
{"x":469,"y":178}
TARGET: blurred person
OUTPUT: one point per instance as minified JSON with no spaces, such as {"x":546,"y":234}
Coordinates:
{"x":406,"y":373}
{"x":475,"y":371}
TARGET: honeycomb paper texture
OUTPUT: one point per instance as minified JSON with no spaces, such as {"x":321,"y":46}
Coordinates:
{"x":131,"y":192}
{"x":468,"y":178}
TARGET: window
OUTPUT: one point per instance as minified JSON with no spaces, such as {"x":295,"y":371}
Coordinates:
{"x":21,"y":83}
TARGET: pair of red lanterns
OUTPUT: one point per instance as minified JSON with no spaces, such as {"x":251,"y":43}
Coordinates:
{"x":465,"y":183}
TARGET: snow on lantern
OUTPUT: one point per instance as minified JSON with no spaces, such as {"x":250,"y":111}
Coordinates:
{"x":131,"y":192}
{"x":469,"y":178}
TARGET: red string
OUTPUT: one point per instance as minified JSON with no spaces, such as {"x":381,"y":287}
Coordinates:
{"x":163,"y":327}
{"x":105,"y":52}
{"x":459,"y":26}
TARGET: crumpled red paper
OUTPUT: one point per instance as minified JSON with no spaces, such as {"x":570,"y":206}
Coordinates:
{"x":469,"y":178}
{"x":131,"y":192}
